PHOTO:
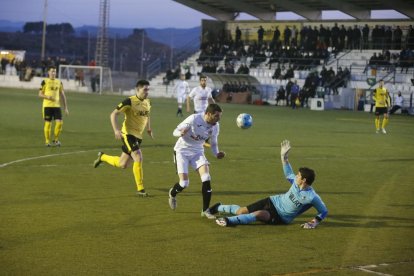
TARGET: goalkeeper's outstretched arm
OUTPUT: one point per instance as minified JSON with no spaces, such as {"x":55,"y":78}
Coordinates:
{"x":284,"y":151}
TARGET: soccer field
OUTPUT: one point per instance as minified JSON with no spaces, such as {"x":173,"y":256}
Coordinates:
{"x":60,"y":216}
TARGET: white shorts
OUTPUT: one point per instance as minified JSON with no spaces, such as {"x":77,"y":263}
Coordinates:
{"x":183,"y":159}
{"x":181,"y":100}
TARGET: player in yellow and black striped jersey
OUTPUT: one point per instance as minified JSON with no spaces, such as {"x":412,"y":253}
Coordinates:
{"x":136,"y":110}
{"x":52,"y":93}
{"x":382,"y":102}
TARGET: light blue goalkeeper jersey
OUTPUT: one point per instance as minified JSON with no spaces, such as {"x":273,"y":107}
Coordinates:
{"x":296,"y":201}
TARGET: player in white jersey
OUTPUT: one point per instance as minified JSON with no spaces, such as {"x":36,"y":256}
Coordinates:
{"x":181,"y":89}
{"x":201,"y":96}
{"x":189,"y":150}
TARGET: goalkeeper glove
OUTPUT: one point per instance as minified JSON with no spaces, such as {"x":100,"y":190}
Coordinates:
{"x":284,"y":150}
{"x":310,"y":225}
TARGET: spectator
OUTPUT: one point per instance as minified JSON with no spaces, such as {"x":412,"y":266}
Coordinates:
{"x":398,"y":103}
{"x":260,"y":34}
{"x":281,"y":95}
{"x":294,"y":94}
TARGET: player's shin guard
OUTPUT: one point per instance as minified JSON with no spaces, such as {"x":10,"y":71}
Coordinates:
{"x":176,"y":189}
{"x":377,"y":123}
{"x":384,"y":122}
{"x":111,"y":160}
{"x":229,"y":209}
{"x":242,"y":219}
{"x":46,"y":130}
{"x":138,"y":175}
{"x":58,"y":129}
{"x":206,"y":190}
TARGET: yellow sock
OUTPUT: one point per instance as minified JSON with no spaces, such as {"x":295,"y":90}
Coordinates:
{"x":46,"y":130}
{"x":58,"y":129}
{"x":384,"y":122}
{"x":377,"y":123}
{"x":138,"y":175}
{"x":111,"y":160}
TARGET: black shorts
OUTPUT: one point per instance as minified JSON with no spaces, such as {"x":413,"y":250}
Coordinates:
{"x":381,"y":110}
{"x":52,"y":113}
{"x":130,"y":143}
{"x":266,"y":204}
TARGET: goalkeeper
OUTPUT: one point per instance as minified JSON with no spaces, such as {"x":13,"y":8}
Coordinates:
{"x":281,"y":208}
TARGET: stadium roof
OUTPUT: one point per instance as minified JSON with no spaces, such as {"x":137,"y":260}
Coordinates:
{"x":311,"y":10}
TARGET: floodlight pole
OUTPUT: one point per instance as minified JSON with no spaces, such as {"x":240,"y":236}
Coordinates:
{"x":42,"y":56}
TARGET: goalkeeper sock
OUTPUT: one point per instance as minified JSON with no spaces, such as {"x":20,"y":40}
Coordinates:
{"x":138,"y":175}
{"x":230,"y":209}
{"x":384,"y":122}
{"x":242,"y":219}
{"x":58,"y":129}
{"x":46,"y":130}
{"x":111,"y":160}
{"x":377,"y":123}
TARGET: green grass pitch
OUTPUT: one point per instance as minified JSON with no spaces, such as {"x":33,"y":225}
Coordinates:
{"x":60,"y":216}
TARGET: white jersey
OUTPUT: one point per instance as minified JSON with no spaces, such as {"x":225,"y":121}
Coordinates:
{"x":399,"y":100}
{"x":200,"y":97}
{"x":181,"y":88}
{"x":198,"y":131}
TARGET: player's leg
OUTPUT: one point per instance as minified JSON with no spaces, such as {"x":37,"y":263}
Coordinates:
{"x":57,"y":131}
{"x":57,"y":114}
{"x":47,"y":128}
{"x":377,"y":122}
{"x":180,"y":106}
{"x":206,"y":185}
{"x":384,"y":122}
{"x":252,"y":212}
{"x":176,"y":189}
{"x":138,"y":172}
{"x":229,"y":209}
{"x":181,"y":163}
{"x":112,"y":160}
{"x":261,"y":215}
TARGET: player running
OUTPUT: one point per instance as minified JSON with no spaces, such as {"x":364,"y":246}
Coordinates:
{"x":189,"y":150}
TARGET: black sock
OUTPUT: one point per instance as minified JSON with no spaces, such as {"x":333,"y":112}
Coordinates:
{"x":206,"y":190}
{"x":176,"y":189}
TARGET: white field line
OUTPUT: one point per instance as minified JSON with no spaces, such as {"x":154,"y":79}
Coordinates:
{"x":40,"y":157}
{"x":367,"y":268}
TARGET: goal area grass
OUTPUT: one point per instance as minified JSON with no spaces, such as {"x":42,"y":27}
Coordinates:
{"x":60,"y":216}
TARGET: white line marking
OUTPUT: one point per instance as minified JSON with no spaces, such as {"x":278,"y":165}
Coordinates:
{"x":40,"y":157}
{"x":365,"y":269}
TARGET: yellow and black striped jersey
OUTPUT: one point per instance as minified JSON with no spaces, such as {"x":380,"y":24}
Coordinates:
{"x":136,"y":115}
{"x":51,"y":87}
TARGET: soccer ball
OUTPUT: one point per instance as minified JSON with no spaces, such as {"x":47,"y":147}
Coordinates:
{"x":244,"y":121}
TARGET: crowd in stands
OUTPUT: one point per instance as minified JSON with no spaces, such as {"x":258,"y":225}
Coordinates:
{"x":386,"y":60}
{"x":26,"y":70}
{"x":302,"y":49}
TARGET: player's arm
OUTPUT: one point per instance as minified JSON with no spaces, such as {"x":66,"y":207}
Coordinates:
{"x":388,"y":100}
{"x":214,"y":144}
{"x":287,"y":168}
{"x":42,"y":92}
{"x":188,"y":100}
{"x":322,"y":213}
{"x":63,"y":100}
{"x":374,"y":95}
{"x":149,"y":129}
{"x":183,"y":127}
{"x":114,"y":122}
